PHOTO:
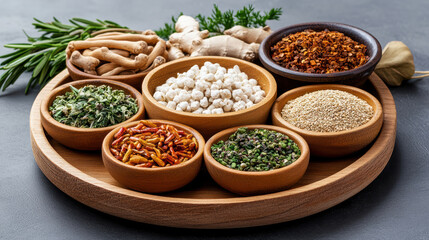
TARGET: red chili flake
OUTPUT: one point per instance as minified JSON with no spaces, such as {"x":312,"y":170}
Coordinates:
{"x":319,"y":52}
{"x":152,"y":145}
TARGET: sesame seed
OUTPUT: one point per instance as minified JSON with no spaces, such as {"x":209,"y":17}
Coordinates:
{"x":327,"y":111}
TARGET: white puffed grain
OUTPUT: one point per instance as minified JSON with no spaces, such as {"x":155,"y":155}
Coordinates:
{"x":171,"y":105}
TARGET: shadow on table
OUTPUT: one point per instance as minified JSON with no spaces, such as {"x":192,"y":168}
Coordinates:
{"x":343,"y":216}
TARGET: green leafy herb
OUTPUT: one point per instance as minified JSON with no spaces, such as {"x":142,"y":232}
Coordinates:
{"x":219,"y":21}
{"x":45,"y":55}
{"x":256,"y":150}
{"x":93,"y":107}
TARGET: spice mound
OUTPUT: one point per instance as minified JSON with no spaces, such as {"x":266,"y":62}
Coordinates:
{"x":327,"y":111}
{"x":153,"y":145}
{"x":93,"y":107}
{"x":319,"y":52}
{"x":212,"y":89}
{"x":256,"y":150}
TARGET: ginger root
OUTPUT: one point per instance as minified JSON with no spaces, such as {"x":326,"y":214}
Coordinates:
{"x":249,"y":35}
{"x":174,"y":52}
{"x":118,"y":53}
{"x":107,"y":67}
{"x":132,"y":47}
{"x":158,"y":50}
{"x":87,"y":63}
{"x":224,"y":45}
{"x":188,"y":39}
{"x":149,"y":39}
{"x":159,"y":60}
{"x":105,"y":54}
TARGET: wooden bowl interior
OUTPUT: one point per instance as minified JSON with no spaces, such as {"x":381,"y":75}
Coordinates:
{"x":294,"y":93}
{"x":153,"y":180}
{"x":224,"y":135}
{"x":257,"y":182}
{"x":109,"y":139}
{"x":171,"y":69}
{"x":61,"y":90}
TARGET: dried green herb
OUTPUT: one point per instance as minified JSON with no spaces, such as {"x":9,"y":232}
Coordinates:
{"x":44,"y":55}
{"x":93,"y":107}
{"x":256,"y":150}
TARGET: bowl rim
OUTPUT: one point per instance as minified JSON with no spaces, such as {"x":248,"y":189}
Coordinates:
{"x":73,"y":68}
{"x":269,"y":94}
{"x":273,"y":66}
{"x":378,"y":111}
{"x":109,"y":138}
{"x":298,"y":139}
{"x":44,"y":108}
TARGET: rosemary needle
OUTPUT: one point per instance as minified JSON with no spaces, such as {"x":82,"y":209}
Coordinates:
{"x":44,"y":56}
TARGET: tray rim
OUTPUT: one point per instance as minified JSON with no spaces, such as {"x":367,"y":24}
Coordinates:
{"x":49,"y":161}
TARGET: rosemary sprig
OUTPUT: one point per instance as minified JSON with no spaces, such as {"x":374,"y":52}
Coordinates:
{"x":45,"y":55}
{"x":219,"y":21}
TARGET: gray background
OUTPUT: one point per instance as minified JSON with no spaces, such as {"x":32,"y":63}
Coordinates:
{"x":394,"y":206}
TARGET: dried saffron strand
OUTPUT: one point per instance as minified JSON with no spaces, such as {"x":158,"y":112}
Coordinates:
{"x":150,"y":145}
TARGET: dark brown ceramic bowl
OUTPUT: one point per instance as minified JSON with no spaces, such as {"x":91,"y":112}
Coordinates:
{"x":354,"y":77}
{"x":153,"y":180}
{"x":83,"y":138}
{"x":134,"y":80}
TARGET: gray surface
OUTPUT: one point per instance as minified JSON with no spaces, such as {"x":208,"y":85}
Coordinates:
{"x":394,"y":206}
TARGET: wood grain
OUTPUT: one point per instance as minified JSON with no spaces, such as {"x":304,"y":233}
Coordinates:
{"x":203,"y":204}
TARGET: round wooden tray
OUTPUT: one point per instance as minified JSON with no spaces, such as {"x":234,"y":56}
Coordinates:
{"x":203,"y":204}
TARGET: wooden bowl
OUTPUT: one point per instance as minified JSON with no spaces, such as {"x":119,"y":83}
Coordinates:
{"x":332,"y":144}
{"x":83,"y":138}
{"x":209,"y":124}
{"x":355,"y":76}
{"x":252,"y":183}
{"x":153,"y":180}
{"x":134,"y":80}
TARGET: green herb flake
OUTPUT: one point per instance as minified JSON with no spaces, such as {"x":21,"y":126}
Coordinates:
{"x":256,"y":150}
{"x":93,"y":107}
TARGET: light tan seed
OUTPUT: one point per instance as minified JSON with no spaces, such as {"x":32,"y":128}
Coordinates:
{"x":327,"y":111}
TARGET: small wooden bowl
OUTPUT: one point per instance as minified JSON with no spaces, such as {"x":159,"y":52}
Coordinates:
{"x":209,"y":124}
{"x":252,"y":183}
{"x":355,"y":77}
{"x":134,"y":80}
{"x":332,"y":144}
{"x":153,"y":180}
{"x":83,"y":138}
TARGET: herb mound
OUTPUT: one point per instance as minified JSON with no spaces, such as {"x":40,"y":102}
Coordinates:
{"x":93,"y":107}
{"x":256,"y":150}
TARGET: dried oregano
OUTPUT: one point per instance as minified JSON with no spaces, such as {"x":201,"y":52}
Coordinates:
{"x":93,"y":107}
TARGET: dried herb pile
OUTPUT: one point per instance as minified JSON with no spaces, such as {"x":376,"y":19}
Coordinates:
{"x":319,"y":52}
{"x":256,"y":150}
{"x":93,"y":107}
{"x":151,"y":145}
